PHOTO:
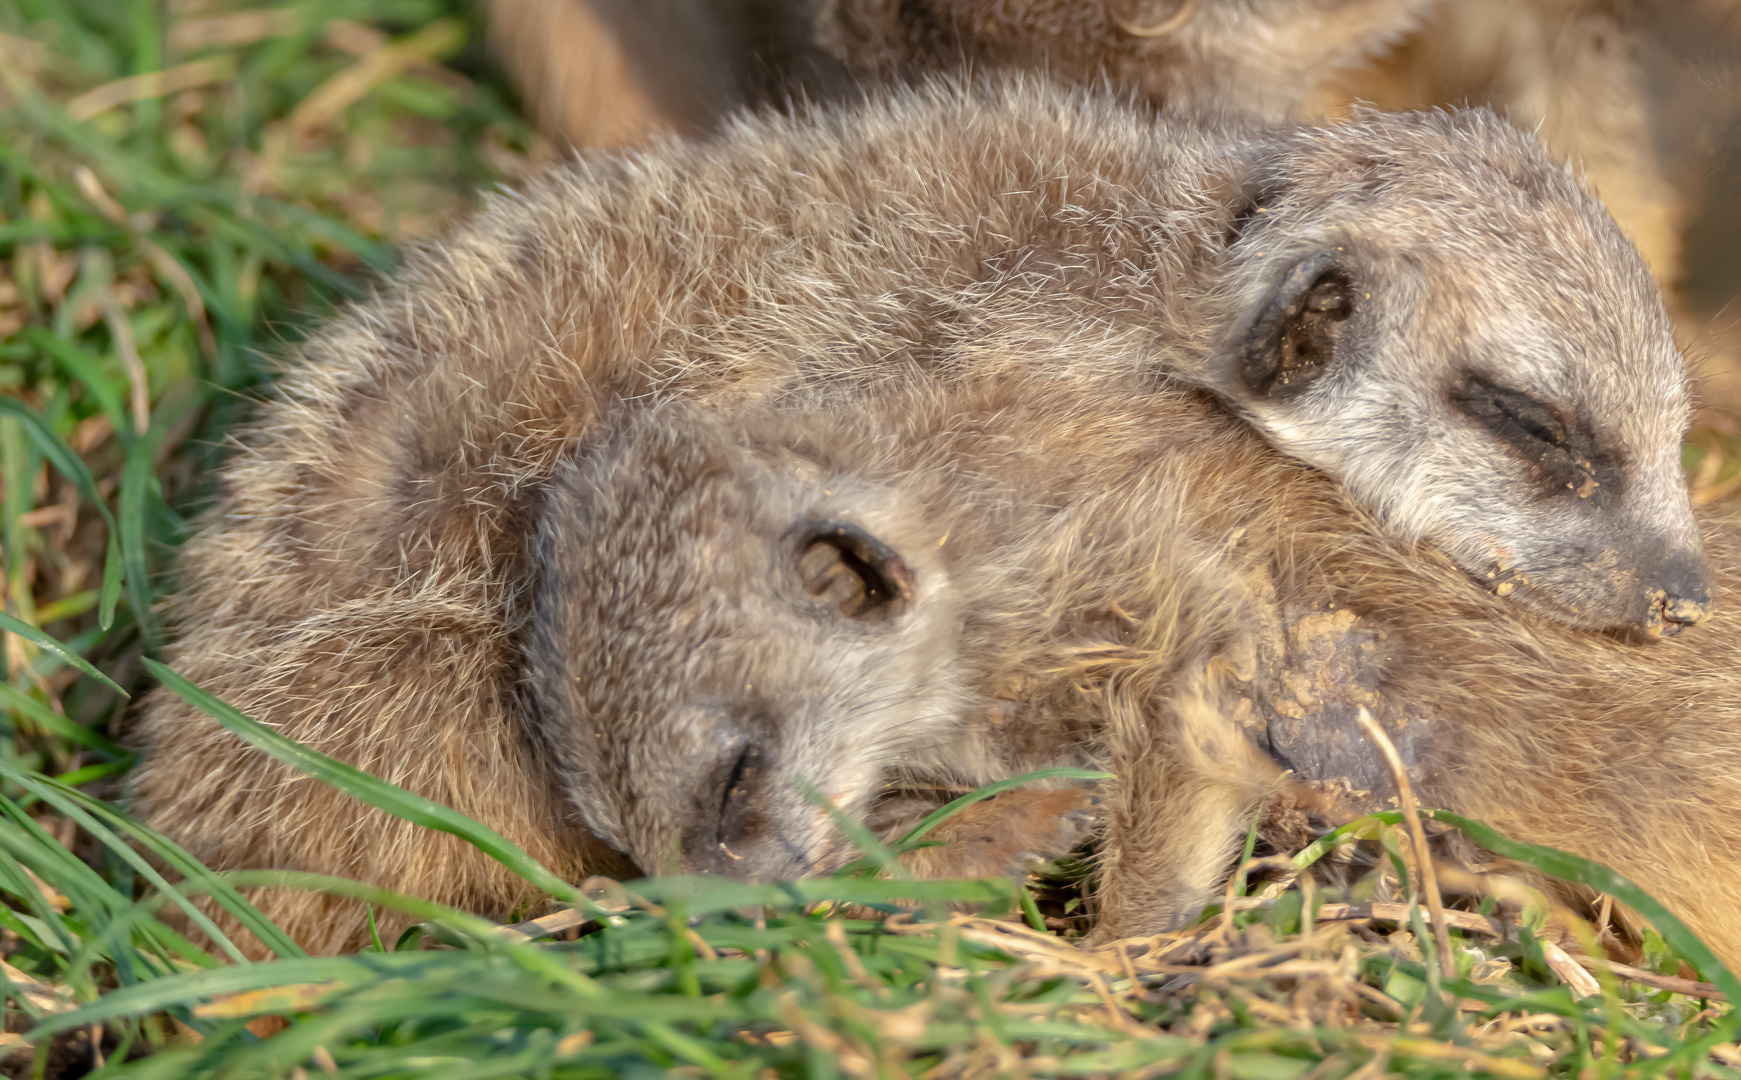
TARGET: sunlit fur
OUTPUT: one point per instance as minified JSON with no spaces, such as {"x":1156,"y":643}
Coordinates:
{"x":1630,"y":756}
{"x":1143,"y":585}
{"x":1148,"y":587}
{"x":607,"y":72}
{"x":361,"y":581}
{"x":674,"y":640}
{"x":1496,"y":267}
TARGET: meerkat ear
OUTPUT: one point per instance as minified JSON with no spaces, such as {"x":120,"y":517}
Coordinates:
{"x":1293,"y":340}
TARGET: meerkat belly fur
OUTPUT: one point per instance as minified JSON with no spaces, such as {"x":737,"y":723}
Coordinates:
{"x":1429,"y":288}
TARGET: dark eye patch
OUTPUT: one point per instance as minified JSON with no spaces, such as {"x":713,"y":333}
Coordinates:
{"x":1513,"y":415}
{"x":852,"y":571}
{"x":1536,"y":431}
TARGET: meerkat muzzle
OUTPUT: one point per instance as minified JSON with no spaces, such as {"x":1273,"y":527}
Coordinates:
{"x":1670,"y":616}
{"x":1682,"y":598}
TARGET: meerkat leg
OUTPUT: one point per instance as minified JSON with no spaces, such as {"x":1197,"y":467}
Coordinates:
{"x":1187,"y":783}
{"x":1006,"y":835}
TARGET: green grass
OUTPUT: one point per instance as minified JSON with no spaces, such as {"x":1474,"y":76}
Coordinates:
{"x":156,"y":248}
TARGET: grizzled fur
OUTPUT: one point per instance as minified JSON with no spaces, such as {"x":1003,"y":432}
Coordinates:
{"x":1148,"y":587}
{"x":363,"y":579}
{"x":854,"y":598}
{"x":1140,"y":584}
{"x":609,"y":72}
{"x":1535,"y":360}
{"x":1628,"y":756}
{"x":709,"y":621}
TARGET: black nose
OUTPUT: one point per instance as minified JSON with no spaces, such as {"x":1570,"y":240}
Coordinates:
{"x":743,"y":798}
{"x":1680,"y":595}
{"x":732,"y":804}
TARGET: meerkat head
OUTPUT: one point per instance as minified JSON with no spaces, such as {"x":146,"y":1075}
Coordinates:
{"x":719,"y":635}
{"x":1428,"y":309}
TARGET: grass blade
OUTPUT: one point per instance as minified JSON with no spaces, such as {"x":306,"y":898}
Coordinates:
{"x":84,"y":367}
{"x":69,"y":465}
{"x":942,"y":813}
{"x":136,"y":478}
{"x":67,"y":801}
{"x":1569,"y":867}
{"x":31,"y":633}
{"x":56,"y":724}
{"x":378,"y":793}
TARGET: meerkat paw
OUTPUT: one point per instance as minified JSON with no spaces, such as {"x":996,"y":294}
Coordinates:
{"x":1007,"y":835}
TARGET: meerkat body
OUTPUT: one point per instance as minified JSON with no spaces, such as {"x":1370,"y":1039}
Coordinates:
{"x":1137,"y":584}
{"x":1627,"y":756}
{"x":364,"y":579}
{"x":608,"y":74}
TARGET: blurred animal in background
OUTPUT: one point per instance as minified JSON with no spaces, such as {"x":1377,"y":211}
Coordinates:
{"x":1643,"y":95}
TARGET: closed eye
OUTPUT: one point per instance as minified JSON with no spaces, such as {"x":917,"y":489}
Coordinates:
{"x":1513,"y":415}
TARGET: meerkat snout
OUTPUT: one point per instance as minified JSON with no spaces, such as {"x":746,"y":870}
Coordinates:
{"x":725,"y":638}
{"x":1450,"y":325}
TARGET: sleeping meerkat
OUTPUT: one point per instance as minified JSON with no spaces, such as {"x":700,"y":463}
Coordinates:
{"x":362,"y":579}
{"x":1423,"y":306}
{"x":1194,"y":667}
{"x":1197,"y":668}
{"x":1630,"y":757}
{"x":737,"y":620}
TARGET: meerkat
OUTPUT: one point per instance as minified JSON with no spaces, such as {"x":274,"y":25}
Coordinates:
{"x":608,"y":74}
{"x":741,"y":627}
{"x":727,"y":645}
{"x":1424,"y":307}
{"x":362,"y":579}
{"x":1195,"y":669}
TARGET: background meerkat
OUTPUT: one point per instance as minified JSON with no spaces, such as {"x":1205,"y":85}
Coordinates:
{"x":604,"y":73}
{"x":362,"y":579}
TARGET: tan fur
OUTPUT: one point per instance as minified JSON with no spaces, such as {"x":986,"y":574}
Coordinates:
{"x":362,"y":582}
{"x":1582,"y":742}
{"x":576,"y":75}
{"x":1567,"y":69}
{"x":1196,"y":613}
{"x":1159,"y":593}
{"x":1011,"y":831}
